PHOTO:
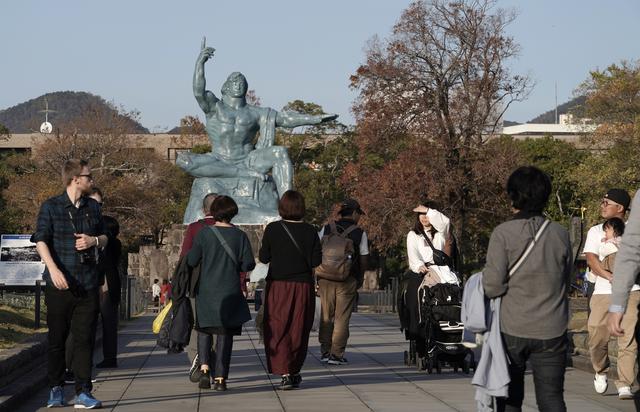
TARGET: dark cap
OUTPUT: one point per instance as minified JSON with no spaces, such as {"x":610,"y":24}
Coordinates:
{"x":351,"y":204}
{"x":620,"y":196}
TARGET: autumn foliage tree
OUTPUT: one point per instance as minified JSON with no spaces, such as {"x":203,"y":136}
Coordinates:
{"x":142,"y":190}
{"x":430,"y":98}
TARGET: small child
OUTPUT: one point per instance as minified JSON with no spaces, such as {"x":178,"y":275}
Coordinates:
{"x":613,"y":229}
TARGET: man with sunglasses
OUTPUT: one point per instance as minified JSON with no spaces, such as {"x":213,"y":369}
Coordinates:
{"x":615,"y":203}
{"x":68,"y":232}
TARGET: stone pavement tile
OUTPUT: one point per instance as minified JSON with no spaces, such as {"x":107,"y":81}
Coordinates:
{"x":375,"y":380}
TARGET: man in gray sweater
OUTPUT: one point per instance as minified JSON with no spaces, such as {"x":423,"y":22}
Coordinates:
{"x":534,"y":311}
{"x":626,"y":270}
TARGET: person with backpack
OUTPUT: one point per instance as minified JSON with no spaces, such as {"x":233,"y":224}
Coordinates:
{"x":292,"y":249}
{"x":223,"y":251}
{"x":345,"y":252}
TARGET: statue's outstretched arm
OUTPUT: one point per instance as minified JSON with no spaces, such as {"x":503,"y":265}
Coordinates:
{"x":205,"y":98}
{"x":293,"y":119}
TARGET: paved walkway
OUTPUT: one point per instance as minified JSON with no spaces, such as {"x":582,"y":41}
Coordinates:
{"x":375,"y":380}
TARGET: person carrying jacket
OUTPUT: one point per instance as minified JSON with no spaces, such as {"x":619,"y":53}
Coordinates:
{"x":534,"y":310}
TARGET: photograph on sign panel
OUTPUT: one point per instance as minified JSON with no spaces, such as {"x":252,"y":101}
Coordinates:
{"x":19,"y":254}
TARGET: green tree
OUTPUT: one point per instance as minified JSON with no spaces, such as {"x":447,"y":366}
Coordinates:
{"x":4,"y":132}
{"x":613,"y":104}
{"x":558,"y":159}
{"x":318,"y":156}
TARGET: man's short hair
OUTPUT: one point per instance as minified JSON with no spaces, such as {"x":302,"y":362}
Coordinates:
{"x":71,"y":169}
{"x":207,"y":201}
{"x":529,"y":188}
{"x":224,"y":209}
{"x":291,"y":205}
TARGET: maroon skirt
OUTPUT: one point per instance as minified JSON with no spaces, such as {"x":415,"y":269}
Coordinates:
{"x":288,"y":318}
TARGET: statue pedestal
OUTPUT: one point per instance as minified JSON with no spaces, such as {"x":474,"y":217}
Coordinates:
{"x":257,"y":200}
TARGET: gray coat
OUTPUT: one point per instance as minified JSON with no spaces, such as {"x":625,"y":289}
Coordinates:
{"x":534,"y":300}
{"x":479,"y":315}
{"x":627,"y":265}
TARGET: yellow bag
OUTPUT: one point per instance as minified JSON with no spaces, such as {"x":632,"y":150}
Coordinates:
{"x":159,"y":320}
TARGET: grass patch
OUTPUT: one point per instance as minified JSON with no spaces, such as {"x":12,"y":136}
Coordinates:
{"x":16,"y":325}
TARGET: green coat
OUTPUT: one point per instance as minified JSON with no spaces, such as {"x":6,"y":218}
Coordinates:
{"x":219,"y":299}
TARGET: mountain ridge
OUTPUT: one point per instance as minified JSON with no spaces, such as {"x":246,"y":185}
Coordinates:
{"x":65,"y":106}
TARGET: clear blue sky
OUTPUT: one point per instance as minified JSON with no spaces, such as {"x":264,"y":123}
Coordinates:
{"x":140,"y":54}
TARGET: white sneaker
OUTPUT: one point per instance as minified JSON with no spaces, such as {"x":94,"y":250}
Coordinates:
{"x":600,"y":383}
{"x":625,"y":393}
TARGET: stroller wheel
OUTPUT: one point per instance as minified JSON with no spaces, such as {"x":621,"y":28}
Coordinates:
{"x":429,"y":366}
{"x":465,"y":367}
{"x":406,"y":358}
{"x":455,"y":368}
{"x":438,"y":367}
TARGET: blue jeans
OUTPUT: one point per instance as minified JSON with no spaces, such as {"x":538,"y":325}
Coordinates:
{"x":548,"y":359}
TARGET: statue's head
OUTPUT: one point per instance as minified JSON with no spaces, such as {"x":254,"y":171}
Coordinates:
{"x":236,"y":85}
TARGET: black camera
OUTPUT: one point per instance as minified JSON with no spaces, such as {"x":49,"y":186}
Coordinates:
{"x":88,"y":256}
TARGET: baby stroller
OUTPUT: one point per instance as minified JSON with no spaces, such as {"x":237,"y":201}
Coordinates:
{"x":433,"y":326}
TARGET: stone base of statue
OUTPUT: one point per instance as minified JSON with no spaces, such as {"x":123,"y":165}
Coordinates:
{"x":257,"y":199}
{"x":159,"y":263}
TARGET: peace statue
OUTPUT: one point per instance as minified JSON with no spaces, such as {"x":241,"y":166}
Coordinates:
{"x":236,"y":166}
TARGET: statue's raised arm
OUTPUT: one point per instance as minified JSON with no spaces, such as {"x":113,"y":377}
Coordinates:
{"x":205,"y":98}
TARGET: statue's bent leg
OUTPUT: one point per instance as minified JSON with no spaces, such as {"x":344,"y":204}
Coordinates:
{"x":277,"y":159}
{"x":205,"y":165}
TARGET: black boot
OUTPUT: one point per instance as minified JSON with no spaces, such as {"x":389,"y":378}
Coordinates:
{"x":296,"y":380}
{"x":220,"y":384}
{"x":205,"y":380}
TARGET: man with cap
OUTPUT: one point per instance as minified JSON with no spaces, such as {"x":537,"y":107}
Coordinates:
{"x":615,"y":203}
{"x":337,"y":298}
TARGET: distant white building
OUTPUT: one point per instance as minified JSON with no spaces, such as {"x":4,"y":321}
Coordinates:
{"x":567,"y":129}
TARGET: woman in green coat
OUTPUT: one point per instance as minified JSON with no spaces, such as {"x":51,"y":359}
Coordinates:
{"x":223,"y":251}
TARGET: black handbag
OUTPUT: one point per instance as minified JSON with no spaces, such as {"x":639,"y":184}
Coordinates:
{"x":439,"y":257}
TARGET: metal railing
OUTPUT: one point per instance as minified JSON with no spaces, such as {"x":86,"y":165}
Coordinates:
{"x":136,"y":297}
{"x":381,"y":301}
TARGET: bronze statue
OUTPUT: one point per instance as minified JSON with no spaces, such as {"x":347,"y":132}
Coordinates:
{"x":235,"y":166}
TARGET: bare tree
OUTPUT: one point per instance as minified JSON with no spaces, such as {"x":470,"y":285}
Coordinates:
{"x":145,"y":192}
{"x":430,"y":97}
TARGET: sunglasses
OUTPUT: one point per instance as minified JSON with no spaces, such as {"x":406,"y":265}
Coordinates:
{"x":607,"y":203}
